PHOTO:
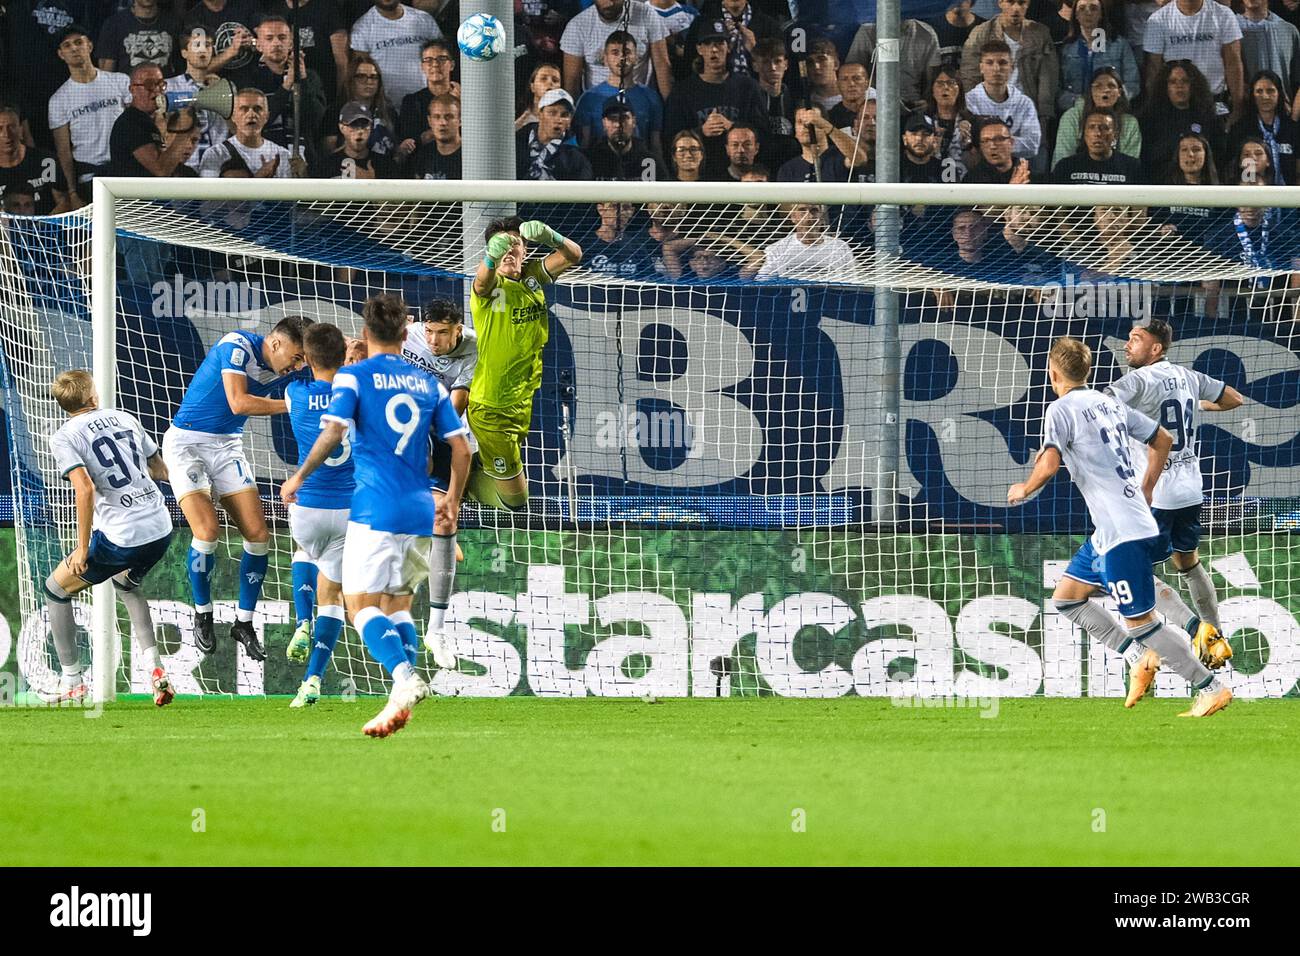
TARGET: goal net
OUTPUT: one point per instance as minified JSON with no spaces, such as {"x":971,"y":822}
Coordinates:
{"x":769,"y":455}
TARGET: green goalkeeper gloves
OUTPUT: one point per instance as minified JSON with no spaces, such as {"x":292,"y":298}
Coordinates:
{"x":537,"y":231}
{"x":497,"y":247}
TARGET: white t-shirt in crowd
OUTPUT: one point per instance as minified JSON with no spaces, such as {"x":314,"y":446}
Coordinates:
{"x":89,"y":110}
{"x":254,"y":159}
{"x":586,"y":34}
{"x":212,"y":127}
{"x":1199,"y":38}
{"x":791,"y":259}
{"x":395,"y":45}
{"x":1017,"y":111}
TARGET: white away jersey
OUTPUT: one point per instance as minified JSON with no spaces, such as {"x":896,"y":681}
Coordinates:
{"x":1172,"y":396}
{"x":115,"y":449}
{"x":455,"y":369}
{"x":1092,"y":431}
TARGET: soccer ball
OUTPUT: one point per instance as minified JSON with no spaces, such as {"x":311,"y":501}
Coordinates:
{"x":481,"y":37}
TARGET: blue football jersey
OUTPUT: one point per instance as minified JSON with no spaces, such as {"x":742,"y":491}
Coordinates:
{"x":331,"y":485}
{"x":392,"y":407}
{"x":204,"y":408}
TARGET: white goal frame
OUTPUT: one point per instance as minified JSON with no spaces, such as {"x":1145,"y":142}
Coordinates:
{"x":105,"y":642}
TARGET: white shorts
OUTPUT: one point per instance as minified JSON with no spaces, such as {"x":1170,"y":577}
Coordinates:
{"x":320,"y":532}
{"x":199,"y":461}
{"x":381,"y":562}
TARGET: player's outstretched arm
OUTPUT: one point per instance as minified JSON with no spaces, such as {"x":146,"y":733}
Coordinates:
{"x":486,"y":277}
{"x":242,"y":403}
{"x":1157,"y":453}
{"x":1230,"y":399}
{"x":1046,"y":466}
{"x":567,"y":253}
{"x":331,"y":434}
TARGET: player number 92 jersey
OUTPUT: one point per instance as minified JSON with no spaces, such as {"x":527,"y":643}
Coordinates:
{"x":1092,"y":431}
{"x":392,"y":407}
{"x":1172,"y":395}
{"x":115,"y":449}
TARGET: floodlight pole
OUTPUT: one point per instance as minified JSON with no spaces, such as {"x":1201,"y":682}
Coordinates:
{"x":888,"y":144}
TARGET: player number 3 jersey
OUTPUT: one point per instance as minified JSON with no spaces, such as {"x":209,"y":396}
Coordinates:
{"x":392,"y":406}
{"x":115,"y":450}
{"x":1092,"y":431}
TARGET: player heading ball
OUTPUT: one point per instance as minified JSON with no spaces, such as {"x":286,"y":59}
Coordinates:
{"x":244,"y":374}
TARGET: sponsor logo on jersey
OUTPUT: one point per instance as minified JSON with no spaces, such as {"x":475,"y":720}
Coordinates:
{"x":500,"y":465}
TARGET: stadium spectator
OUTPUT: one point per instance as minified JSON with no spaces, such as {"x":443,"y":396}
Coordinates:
{"x":1085,"y":51}
{"x":274,"y":74}
{"x":322,"y":38}
{"x":197,"y":54}
{"x":1178,"y":102}
{"x":677,"y":18}
{"x":544,"y":78}
{"x":919,"y":59}
{"x":353,"y":159}
{"x":855,"y":87}
{"x":1251,"y":162}
{"x":952,"y":30}
{"x":809,"y":251}
{"x":741,"y":145}
{"x":23,"y":165}
{"x":997,"y":161}
{"x":182,"y":125}
{"x":770,"y":65}
{"x":823,"y":82}
{"x":545,"y":150}
{"x":82,"y":112}
{"x":1194,"y":166}
{"x":1259,"y":238}
{"x":135,"y":144}
{"x":714,"y":98}
{"x":1034,"y":68}
{"x":230,"y":24}
{"x":393,"y":33}
{"x":583,"y":44}
{"x":1207,"y":33}
{"x":1104,"y":92}
{"x":140,"y":34}
{"x":953,"y":123}
{"x":542,"y":22}
{"x":437,"y":60}
{"x":1097,"y":162}
{"x":1267,"y":116}
{"x":619,"y":245}
{"x":619,"y":153}
{"x":19,"y":199}
{"x":994,"y":96}
{"x":687,"y":157}
{"x":746,"y":27}
{"x":364,"y":83}
{"x":920,"y":162}
{"x":1270,"y":43}
{"x":248,"y":148}
{"x":29,"y":47}
{"x":823,"y":147}
{"x":439,"y":157}
{"x":620,"y":60}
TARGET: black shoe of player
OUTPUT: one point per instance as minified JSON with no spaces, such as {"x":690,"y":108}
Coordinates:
{"x":243,"y":632}
{"x":205,"y":639}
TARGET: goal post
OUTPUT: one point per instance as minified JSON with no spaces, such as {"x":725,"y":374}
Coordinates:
{"x":770,"y":483}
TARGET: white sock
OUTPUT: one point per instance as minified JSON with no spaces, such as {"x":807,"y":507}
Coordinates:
{"x":243,"y":615}
{"x":403,"y":672}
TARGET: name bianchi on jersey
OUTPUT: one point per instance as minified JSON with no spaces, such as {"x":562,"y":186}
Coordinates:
{"x":412,"y":383}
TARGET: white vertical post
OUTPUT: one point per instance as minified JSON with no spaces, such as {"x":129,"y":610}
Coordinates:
{"x":104,"y":643}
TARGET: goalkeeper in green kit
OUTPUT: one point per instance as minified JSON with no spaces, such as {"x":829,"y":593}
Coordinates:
{"x":508,"y":305}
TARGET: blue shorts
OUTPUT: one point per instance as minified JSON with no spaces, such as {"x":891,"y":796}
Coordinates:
{"x":1180,"y":530}
{"x":106,"y":559}
{"x":1124,"y":571}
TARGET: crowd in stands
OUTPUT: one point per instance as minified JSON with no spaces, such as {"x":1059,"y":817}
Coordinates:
{"x":993,"y":91}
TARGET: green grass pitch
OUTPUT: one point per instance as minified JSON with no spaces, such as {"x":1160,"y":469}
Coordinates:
{"x":759,"y":781}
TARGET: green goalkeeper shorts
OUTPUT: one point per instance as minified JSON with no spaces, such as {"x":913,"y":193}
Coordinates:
{"x":500,"y":433}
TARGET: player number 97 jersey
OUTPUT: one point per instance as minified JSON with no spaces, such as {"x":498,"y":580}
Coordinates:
{"x":392,"y":407}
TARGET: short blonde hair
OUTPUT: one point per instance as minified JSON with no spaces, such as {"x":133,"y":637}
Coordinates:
{"x":1072,"y":357}
{"x":73,"y":390}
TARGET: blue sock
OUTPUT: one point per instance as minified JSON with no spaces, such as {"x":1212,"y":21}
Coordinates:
{"x":252,"y":570}
{"x":304,"y":590}
{"x":410,"y":638}
{"x":326,"y":635}
{"x":201,"y":565}
{"x":383,"y":641}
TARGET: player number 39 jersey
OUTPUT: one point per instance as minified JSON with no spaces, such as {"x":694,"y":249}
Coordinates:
{"x":392,"y":407}
{"x":1172,"y":395}
{"x":1092,"y":431}
{"x":115,"y":449}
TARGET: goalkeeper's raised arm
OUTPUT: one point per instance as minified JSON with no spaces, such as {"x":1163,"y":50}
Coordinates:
{"x":507,"y":250}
